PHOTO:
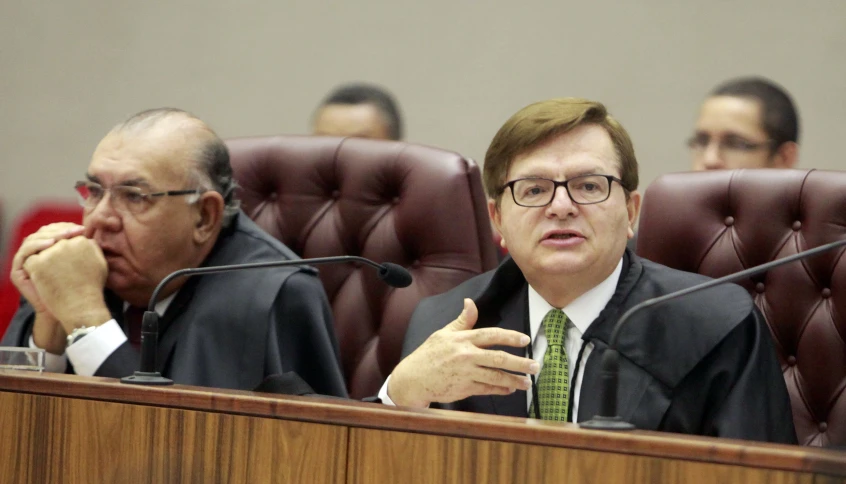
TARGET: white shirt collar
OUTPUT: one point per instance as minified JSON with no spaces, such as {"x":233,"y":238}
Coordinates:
{"x":583,"y":310}
{"x":161,"y":306}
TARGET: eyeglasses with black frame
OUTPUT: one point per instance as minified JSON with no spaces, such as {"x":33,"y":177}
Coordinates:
{"x":124,"y":198}
{"x":582,"y":190}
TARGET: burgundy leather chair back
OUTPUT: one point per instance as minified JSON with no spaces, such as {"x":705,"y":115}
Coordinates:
{"x":720,"y":222}
{"x":420,"y":207}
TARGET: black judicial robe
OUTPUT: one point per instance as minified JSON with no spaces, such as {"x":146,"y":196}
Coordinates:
{"x":233,"y":329}
{"x":703,"y":364}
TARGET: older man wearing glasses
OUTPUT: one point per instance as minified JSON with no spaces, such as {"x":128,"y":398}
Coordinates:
{"x":158,"y":197}
{"x":526,"y":339}
{"x":746,"y":123}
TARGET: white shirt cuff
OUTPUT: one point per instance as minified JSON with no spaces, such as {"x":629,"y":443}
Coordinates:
{"x":383,"y":394}
{"x":89,"y":352}
{"x":52,"y":363}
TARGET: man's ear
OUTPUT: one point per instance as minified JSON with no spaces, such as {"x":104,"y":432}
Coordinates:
{"x":209,"y":216}
{"x":496,"y":220}
{"x":787,"y":155}
{"x":633,"y":207}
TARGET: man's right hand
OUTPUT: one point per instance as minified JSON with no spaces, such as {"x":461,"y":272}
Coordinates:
{"x":47,"y":332}
{"x":44,"y":238}
{"x":453,"y":364}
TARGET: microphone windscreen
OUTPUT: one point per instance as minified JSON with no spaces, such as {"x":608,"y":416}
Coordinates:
{"x":395,"y":275}
{"x":288,"y":383}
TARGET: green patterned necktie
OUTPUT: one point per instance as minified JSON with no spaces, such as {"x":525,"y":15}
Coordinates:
{"x":554,"y":378}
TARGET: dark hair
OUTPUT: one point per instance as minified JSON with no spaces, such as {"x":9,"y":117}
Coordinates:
{"x":212,"y":159}
{"x":539,"y":122}
{"x":363,"y":93}
{"x":780,"y":119}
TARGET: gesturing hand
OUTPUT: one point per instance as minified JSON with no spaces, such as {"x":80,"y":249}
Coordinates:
{"x":454,"y":363}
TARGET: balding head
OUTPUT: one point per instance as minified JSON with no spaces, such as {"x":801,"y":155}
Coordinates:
{"x":176,"y":128}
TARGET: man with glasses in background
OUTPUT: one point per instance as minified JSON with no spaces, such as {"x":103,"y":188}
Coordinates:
{"x":159,"y":197}
{"x":526,"y":339}
{"x":746,"y":123}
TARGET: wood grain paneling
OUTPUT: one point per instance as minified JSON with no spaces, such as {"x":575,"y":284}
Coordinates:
{"x":84,"y":441}
{"x":66,"y":428}
{"x":439,"y":422}
{"x":385,"y":456}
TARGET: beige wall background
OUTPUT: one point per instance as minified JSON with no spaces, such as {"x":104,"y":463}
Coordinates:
{"x":70,"y":70}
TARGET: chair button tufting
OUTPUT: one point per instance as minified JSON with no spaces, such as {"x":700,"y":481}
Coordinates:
{"x":791,"y":360}
{"x":396,"y":200}
{"x":729,"y":221}
{"x":336,"y":194}
{"x":759,"y":288}
{"x":826,"y":293}
{"x":823,"y":426}
{"x":797,"y":225}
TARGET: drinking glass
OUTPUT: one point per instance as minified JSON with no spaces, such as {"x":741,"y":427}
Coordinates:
{"x":29,"y":359}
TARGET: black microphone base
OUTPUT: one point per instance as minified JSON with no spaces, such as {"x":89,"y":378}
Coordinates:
{"x":145,"y":378}
{"x":598,"y":422}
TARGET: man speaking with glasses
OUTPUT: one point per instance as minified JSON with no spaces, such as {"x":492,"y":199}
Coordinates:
{"x":158,"y":197}
{"x":526,"y":339}
{"x":746,"y":123}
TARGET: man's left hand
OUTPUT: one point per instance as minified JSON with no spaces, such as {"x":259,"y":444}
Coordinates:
{"x":69,"y":277}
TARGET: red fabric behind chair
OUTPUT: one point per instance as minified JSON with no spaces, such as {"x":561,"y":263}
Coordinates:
{"x":420,"y":207}
{"x":717,"y":223}
{"x":28,"y":222}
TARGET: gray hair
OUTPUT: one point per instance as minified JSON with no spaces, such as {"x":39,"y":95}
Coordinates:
{"x":214,"y":172}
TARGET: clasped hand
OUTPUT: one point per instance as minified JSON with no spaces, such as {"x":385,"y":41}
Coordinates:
{"x":62,"y":274}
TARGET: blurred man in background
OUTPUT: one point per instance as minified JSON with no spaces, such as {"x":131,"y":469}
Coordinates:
{"x":746,"y":122}
{"x":359,"y":110}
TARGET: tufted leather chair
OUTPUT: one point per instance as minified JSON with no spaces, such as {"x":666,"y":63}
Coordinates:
{"x":420,"y":207}
{"x":720,"y":222}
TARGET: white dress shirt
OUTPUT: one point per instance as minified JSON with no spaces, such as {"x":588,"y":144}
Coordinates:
{"x":88,"y":353}
{"x":580,"y":314}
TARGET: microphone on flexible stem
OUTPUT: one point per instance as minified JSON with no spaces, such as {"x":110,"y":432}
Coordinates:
{"x":609,"y":375}
{"x":394,"y":275}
